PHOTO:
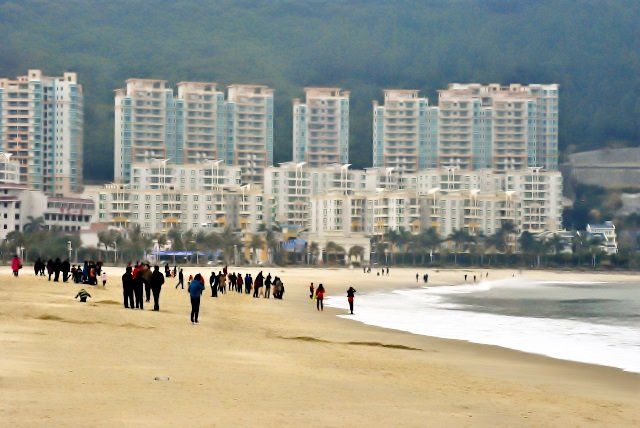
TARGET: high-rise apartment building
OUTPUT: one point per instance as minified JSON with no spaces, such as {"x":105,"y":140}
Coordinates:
{"x":200,"y":122}
{"x":193,"y":126}
{"x":145,"y":125}
{"x":41,"y":126}
{"x":473,"y":127}
{"x":404,"y":132}
{"x":321,"y":127}
{"x":498,"y":127}
{"x":250,"y":130}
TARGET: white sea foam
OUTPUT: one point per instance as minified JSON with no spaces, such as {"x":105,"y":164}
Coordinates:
{"x":426,"y":312}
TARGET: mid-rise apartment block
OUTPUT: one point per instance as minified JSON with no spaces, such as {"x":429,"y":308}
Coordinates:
{"x":192,"y":126}
{"x":473,"y":127}
{"x":19,"y":202}
{"x":41,"y":125}
{"x":321,"y":127}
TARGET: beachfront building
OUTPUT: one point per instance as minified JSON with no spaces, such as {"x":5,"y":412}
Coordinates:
{"x":41,"y":125}
{"x":193,"y":126}
{"x":404,"y":132}
{"x":250,"y":130}
{"x":606,"y":233}
{"x":20,"y":204}
{"x":321,"y":127}
{"x":161,"y":196}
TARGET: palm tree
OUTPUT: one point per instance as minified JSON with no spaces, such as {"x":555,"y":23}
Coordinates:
{"x":460,"y":239}
{"x":356,"y":251}
{"x":256,"y":244}
{"x":175,"y":236}
{"x":34,"y":224}
{"x":230,"y":244}
{"x":430,"y":240}
{"x":333,"y":248}
{"x":314,"y":250}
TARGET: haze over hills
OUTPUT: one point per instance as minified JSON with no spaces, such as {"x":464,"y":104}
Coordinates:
{"x":592,"y":49}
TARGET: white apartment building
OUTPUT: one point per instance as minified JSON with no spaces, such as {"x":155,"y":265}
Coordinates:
{"x":404,"y":132}
{"x":498,"y":127}
{"x":201,"y":122}
{"x":251,"y":129}
{"x":289,"y":188}
{"x":193,"y":126}
{"x":473,"y":127}
{"x":19,"y":203}
{"x":163,"y":196}
{"x":41,"y":125}
{"x":145,"y":125}
{"x":606,"y":232}
{"x":321,"y":127}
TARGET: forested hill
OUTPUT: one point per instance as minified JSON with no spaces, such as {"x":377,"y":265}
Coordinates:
{"x":591,"y":48}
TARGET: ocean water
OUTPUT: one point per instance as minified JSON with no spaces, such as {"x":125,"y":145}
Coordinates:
{"x":590,"y":322}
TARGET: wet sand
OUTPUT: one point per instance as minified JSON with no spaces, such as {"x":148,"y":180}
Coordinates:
{"x":277,"y":363}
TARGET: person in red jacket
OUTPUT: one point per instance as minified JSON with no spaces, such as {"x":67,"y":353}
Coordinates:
{"x":320,"y":297}
{"x":16,"y":265}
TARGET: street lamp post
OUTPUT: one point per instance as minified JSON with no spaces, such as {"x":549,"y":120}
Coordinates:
{"x":69,"y":248}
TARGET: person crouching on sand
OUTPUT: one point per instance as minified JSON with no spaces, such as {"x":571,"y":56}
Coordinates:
{"x":196,"y":287}
{"x":82,"y":294}
{"x":351,"y":292}
{"x":320,"y":297}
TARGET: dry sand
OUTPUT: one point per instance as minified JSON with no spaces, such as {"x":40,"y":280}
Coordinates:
{"x":275,"y":363}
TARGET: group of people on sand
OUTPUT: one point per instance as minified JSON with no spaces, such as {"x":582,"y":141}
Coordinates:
{"x":88,"y":273}
{"x":139,"y":282}
{"x":383,"y":271}
{"x":259,"y":287}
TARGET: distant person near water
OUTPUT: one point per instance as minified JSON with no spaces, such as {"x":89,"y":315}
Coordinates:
{"x":351,"y":292}
{"x":320,"y":297}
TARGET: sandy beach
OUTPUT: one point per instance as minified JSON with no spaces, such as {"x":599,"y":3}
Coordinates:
{"x":277,"y":363}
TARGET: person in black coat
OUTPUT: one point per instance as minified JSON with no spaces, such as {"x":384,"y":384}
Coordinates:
{"x":127,"y":288}
{"x":157,"y":279}
{"x":66,"y":268}
{"x":57,"y":267}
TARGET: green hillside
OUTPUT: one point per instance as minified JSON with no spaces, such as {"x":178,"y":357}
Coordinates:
{"x":591,"y":48}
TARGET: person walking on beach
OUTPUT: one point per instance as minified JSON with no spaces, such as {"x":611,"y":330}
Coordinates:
{"x":196,"y":287}
{"x":146,"y":277}
{"x":57,"y":267}
{"x":465,"y":277}
{"x":248,"y":282}
{"x":16,"y":265}
{"x":213,"y":284}
{"x":138,"y":287}
{"x":267,"y":286}
{"x":351,"y":292}
{"x":222,"y":282}
{"x":167,"y":270}
{"x":180,"y":279}
{"x":157,"y":279}
{"x":257,"y":285}
{"x":417,"y":276}
{"x":104,"y":278}
{"x":320,"y":298}
{"x":127,"y":288}
{"x":66,"y":267}
{"x":311,"y":290}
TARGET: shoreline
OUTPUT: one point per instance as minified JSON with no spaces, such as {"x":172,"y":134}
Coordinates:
{"x":284,"y":352}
